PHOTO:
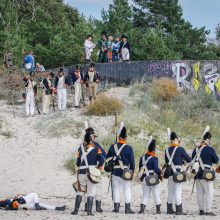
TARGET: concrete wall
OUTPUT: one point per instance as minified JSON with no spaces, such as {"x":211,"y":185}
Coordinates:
{"x":188,"y":74}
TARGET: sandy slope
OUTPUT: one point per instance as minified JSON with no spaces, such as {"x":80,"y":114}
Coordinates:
{"x":32,"y":162}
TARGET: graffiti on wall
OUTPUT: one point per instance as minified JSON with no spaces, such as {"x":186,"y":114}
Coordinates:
{"x":197,"y":75}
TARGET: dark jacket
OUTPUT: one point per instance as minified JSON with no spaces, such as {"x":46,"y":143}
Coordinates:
{"x":74,"y":78}
{"x":96,"y":77}
{"x":179,"y":158}
{"x":66,"y":81}
{"x":125,"y":45}
{"x":34,"y":88}
{"x":94,"y":158}
{"x":126,"y":156}
{"x":103,"y":151}
{"x":208,"y":156}
{"x":152,"y":165}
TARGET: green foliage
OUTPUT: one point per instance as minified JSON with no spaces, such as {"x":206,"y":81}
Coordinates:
{"x":70,"y":165}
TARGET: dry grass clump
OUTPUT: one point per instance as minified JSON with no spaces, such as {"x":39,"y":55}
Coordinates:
{"x":70,"y":165}
{"x":164,"y":89}
{"x":104,"y":105}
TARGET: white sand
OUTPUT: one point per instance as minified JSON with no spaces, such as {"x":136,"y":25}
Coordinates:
{"x":32,"y":162}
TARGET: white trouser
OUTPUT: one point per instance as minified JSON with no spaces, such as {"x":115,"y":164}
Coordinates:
{"x":147,"y":191}
{"x":99,"y":192}
{"x":78,"y":93}
{"x":117,"y":183}
{"x":91,"y":188}
{"x":205,"y":194}
{"x":61,"y":96}
{"x":88,"y":54}
{"x":32,"y":198}
{"x":174,"y":192}
{"x":46,"y":103}
{"x":29,"y":103}
{"x":125,"y":54}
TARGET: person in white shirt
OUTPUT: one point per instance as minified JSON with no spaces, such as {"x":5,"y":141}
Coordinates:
{"x":30,"y":93}
{"x":39,"y":68}
{"x":88,"y":47}
{"x":61,"y":84}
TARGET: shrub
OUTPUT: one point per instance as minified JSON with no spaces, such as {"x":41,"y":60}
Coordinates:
{"x":70,"y":165}
{"x":104,"y":105}
{"x":164,"y":89}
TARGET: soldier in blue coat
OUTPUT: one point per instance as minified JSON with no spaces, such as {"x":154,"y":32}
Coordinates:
{"x":204,"y":188}
{"x":99,"y":192}
{"x":152,"y":167}
{"x":175,"y":189}
{"x":124,"y":160}
{"x":95,"y":159}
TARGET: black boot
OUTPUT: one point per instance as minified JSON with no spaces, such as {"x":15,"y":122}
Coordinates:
{"x":85,"y":210}
{"x":179,"y":210}
{"x":116,"y":207}
{"x":98,"y":206}
{"x":89,"y":205}
{"x":77,"y":205}
{"x":38,"y":207}
{"x":128,"y":209}
{"x":201,"y":212}
{"x":158,"y":209}
{"x":142,"y":207}
{"x":62,"y":208}
{"x":170,"y":208}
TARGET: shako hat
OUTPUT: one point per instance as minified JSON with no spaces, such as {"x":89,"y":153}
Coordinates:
{"x":122,"y":131}
{"x":173,"y":136}
{"x":152,"y":145}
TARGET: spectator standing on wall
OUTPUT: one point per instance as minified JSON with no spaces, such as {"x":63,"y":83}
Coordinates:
{"x":115,"y":49}
{"x":9,"y":59}
{"x":102,"y":46}
{"x":125,"y":48}
{"x":88,"y":48}
{"x":39,"y":68}
{"x":29,"y":62}
{"x":109,"y":48}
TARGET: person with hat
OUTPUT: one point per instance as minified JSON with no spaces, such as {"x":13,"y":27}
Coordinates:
{"x":29,"y":95}
{"x":123,"y":170}
{"x":125,"y":48}
{"x":30,"y":201}
{"x":149,"y":165}
{"x":47,"y":90}
{"x":89,"y":155}
{"x":99,"y":192}
{"x":204,"y":187}
{"x":61,"y":84}
{"x":88,"y":47}
{"x":77,"y":81}
{"x":102,"y":46}
{"x":176,"y":156}
{"x":92,"y":79}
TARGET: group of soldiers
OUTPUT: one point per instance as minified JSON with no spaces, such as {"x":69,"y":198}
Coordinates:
{"x":120,"y":163}
{"x":52,"y":85}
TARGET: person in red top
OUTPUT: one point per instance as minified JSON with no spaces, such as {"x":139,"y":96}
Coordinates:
{"x":150,"y":161}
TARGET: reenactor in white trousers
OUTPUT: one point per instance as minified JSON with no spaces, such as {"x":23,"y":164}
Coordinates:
{"x":89,"y":156}
{"x":47,"y":88}
{"x":175,"y":155}
{"x":61,"y":84}
{"x":205,"y":155}
{"x":77,"y":82}
{"x":150,"y":174}
{"x":122,"y":172}
{"x":29,"y":95}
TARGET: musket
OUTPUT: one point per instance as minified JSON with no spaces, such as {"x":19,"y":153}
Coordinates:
{"x":83,"y":97}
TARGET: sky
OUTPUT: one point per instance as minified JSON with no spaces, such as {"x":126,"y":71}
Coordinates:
{"x":198,"y":12}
